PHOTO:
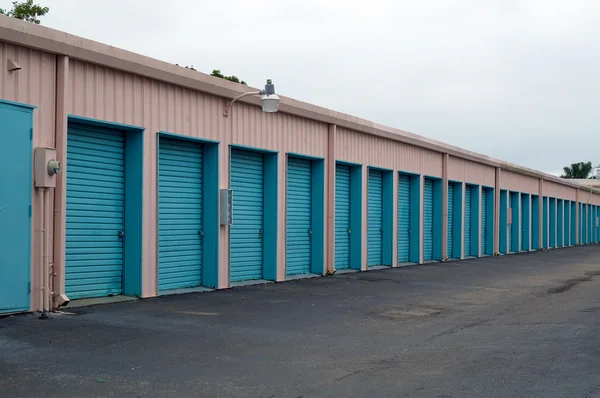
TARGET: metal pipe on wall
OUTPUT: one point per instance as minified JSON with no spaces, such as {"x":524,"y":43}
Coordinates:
{"x":42,"y":236}
{"x":45,"y":250}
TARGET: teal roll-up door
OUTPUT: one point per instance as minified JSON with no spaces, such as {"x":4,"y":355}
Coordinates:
{"x":566,"y":223}
{"x":403,"y":218}
{"x":179,"y":214}
{"x":467,"y":221}
{"x":246,"y":240}
{"x":510,"y":206}
{"x":428,"y":220}
{"x":342,"y":216}
{"x":375,"y":217}
{"x":483,"y":221}
{"x":95,"y":212}
{"x":450,"y":235}
{"x":299,"y":216}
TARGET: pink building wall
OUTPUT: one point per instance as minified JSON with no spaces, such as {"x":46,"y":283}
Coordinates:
{"x":34,"y":85}
{"x":162,"y":97}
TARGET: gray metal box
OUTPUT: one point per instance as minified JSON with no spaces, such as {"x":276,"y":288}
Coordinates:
{"x":226,"y":207}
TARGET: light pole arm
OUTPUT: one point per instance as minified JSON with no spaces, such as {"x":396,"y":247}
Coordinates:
{"x":229,"y":103}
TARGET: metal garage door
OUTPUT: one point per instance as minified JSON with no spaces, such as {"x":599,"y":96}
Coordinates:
{"x":511,"y":221}
{"x":179,"y":214}
{"x":573,"y":223}
{"x":428,"y":220}
{"x":95,"y":201}
{"x":246,"y":241}
{"x":483,"y":221}
{"x":450,"y":234}
{"x":15,"y":208}
{"x":342,"y":216}
{"x":467,"y":221}
{"x":375,"y":217}
{"x":559,"y":222}
{"x":298,"y":216}
{"x":566,"y":222}
{"x":403,"y":218}
{"x":552,"y":222}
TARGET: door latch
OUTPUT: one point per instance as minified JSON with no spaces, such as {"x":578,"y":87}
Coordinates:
{"x":201,"y":233}
{"x":349,"y":231}
{"x":260,"y":233}
{"x":310,"y":231}
{"x":121,"y":234}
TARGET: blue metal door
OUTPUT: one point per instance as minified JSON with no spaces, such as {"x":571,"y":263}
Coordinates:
{"x":428,"y":220}
{"x":467,"y":221}
{"x":566,"y":223}
{"x":298,"y":216}
{"x":403,"y":218}
{"x":483,"y":221}
{"x":375,"y":218}
{"x":511,"y":221}
{"x":559,"y":222}
{"x":15,"y":207}
{"x":545,"y":222}
{"x":552,"y":222}
{"x":450,"y":234}
{"x":342,"y":216}
{"x":246,"y":233}
{"x":95,"y":203}
{"x":179,"y":214}
{"x":573,"y":223}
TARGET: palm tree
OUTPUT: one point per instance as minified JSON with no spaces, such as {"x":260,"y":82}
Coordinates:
{"x":577,"y":170}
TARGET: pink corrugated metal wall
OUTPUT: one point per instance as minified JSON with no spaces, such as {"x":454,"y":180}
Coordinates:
{"x":100,"y":93}
{"x":35,"y":85}
{"x":559,"y":191}
{"x":471,"y":172}
{"x":519,"y":183}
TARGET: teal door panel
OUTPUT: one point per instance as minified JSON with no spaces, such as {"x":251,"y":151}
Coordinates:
{"x":428,"y":220}
{"x":468,"y":221}
{"x":342,"y":217}
{"x":94,"y":255}
{"x":15,"y":207}
{"x":573,"y":223}
{"x":484,"y":221}
{"x":247,"y":231}
{"x":375,"y":218}
{"x":450,"y":233}
{"x":510,"y":206}
{"x":298,"y":216}
{"x":403,"y":218}
{"x":559,"y":222}
{"x":180,"y":224}
{"x":552,"y":222}
{"x":545,"y":222}
{"x":566,"y":222}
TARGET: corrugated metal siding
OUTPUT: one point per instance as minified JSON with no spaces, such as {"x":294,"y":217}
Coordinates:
{"x":362,"y":148}
{"x":95,"y":212}
{"x":299,"y":216}
{"x":519,"y":183}
{"x":342,"y":217}
{"x":247,"y":183}
{"x":179,"y":214}
{"x":34,"y":84}
{"x":471,"y":172}
{"x":467,"y":221}
{"x":450,"y":236}
{"x":375,"y":217}
{"x":403,"y":218}
{"x":559,"y":191}
{"x":428,"y":220}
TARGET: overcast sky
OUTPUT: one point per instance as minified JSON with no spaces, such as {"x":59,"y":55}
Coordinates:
{"x":517,"y":80}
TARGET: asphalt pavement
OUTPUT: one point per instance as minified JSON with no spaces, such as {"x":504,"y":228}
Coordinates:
{"x":514,"y":326}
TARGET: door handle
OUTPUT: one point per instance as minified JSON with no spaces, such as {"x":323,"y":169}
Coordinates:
{"x":201,"y":233}
{"x":310,"y":231}
{"x":349,"y":231}
{"x":260,"y":233}
{"x":121,"y":234}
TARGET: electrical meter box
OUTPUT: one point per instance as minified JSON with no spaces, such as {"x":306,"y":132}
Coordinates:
{"x":226,"y":207}
{"x":45,"y":167}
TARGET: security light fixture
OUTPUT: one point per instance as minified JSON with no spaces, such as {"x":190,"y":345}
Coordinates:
{"x":268,"y":99}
